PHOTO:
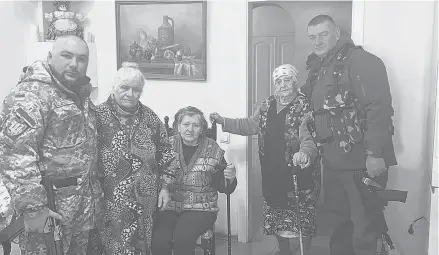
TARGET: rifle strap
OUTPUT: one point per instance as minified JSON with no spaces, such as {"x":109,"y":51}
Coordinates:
{"x":342,"y":57}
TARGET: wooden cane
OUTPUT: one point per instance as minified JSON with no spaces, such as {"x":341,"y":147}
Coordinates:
{"x":229,"y":235}
{"x":299,"y":225}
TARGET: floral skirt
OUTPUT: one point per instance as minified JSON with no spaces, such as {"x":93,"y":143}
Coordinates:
{"x":277,"y":220}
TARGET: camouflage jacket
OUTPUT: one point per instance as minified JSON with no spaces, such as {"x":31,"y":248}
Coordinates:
{"x":5,"y":210}
{"x":45,"y":127}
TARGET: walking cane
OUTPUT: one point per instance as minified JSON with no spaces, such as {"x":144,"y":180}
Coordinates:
{"x":296,"y":198}
{"x":298,"y":224}
{"x":229,"y":235}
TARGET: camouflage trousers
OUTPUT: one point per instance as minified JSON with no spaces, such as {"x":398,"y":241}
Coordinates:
{"x":73,"y":243}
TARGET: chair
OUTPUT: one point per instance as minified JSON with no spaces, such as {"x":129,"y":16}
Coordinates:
{"x":207,"y":240}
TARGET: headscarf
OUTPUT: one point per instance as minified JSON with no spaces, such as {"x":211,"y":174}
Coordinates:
{"x":285,"y":70}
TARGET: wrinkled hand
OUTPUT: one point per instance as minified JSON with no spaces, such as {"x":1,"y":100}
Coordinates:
{"x":301,"y":159}
{"x":218,"y":118}
{"x":164,"y":198}
{"x":36,"y":221}
{"x":230,"y":172}
{"x":375,"y":166}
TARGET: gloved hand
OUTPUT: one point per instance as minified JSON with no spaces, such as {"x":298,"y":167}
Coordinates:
{"x":375,"y":166}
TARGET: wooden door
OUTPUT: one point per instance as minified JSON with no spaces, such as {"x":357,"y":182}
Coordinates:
{"x":263,"y":50}
{"x":268,"y":53}
{"x":272,"y":44}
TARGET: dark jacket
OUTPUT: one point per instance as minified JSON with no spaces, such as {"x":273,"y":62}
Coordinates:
{"x":366,"y":74}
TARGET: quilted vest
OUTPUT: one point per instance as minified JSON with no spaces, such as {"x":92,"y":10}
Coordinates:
{"x":192,"y":189}
{"x":340,"y":103}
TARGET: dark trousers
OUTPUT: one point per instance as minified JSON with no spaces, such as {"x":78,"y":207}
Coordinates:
{"x":179,"y":231}
{"x":353,"y":233}
{"x":7,"y":248}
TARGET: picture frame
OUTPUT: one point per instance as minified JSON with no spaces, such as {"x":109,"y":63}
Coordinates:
{"x":166,"y":38}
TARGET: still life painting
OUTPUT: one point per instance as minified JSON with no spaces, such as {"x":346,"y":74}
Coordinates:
{"x":167,"y":39}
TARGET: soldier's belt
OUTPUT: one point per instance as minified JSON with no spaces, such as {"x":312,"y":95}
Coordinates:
{"x":66,"y":182}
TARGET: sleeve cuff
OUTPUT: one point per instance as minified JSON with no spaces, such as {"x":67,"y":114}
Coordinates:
{"x":374,"y":151}
{"x":33,"y":208}
{"x":224,"y":126}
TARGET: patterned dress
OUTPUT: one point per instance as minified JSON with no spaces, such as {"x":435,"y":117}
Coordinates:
{"x":281,"y":135}
{"x":133,"y":148}
{"x":282,"y":217}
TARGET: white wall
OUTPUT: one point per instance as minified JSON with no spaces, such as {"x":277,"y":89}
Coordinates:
{"x":433,"y":233}
{"x":15,"y":18}
{"x":401,"y":34}
{"x":225,"y":90}
{"x":434,"y":112}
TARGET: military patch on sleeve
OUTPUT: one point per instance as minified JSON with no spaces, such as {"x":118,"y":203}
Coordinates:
{"x":25,"y":117}
{"x":14,"y":129}
{"x":20,"y":97}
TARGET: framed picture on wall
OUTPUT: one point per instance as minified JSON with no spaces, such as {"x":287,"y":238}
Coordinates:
{"x":166,"y":38}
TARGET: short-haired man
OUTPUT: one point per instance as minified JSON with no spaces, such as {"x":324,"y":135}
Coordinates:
{"x":47,"y":127}
{"x":337,"y":67}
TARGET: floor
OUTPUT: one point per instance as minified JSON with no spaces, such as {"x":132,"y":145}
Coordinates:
{"x":267,"y":245}
{"x":264,"y":245}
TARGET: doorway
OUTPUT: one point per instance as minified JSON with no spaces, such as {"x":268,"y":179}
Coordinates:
{"x":271,"y":44}
{"x":277,"y":35}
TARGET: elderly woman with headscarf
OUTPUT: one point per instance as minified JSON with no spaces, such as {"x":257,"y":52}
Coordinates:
{"x":201,"y":172}
{"x":285,"y":140}
{"x":134,"y":152}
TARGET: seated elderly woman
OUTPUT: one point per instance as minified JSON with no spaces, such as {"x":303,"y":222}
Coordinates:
{"x":133,"y":152}
{"x":201,"y":172}
{"x":285,"y":140}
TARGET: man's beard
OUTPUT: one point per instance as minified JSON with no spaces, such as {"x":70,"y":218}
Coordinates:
{"x":72,"y":85}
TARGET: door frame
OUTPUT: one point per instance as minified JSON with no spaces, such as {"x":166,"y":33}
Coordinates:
{"x":357,"y":35}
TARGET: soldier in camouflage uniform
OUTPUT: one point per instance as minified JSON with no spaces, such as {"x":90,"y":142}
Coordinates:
{"x":6,"y":215}
{"x":47,"y":126}
{"x":362,"y":82}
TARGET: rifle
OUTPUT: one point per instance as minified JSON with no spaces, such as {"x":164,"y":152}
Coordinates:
{"x":373,"y":195}
{"x":386,"y":195}
{"x":11,"y":231}
{"x":374,"y":198}
{"x":52,"y":231}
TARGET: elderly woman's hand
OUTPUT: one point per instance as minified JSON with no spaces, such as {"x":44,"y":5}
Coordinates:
{"x":230,"y":172}
{"x":164,"y":199}
{"x":217,"y":117}
{"x":302,"y":159}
